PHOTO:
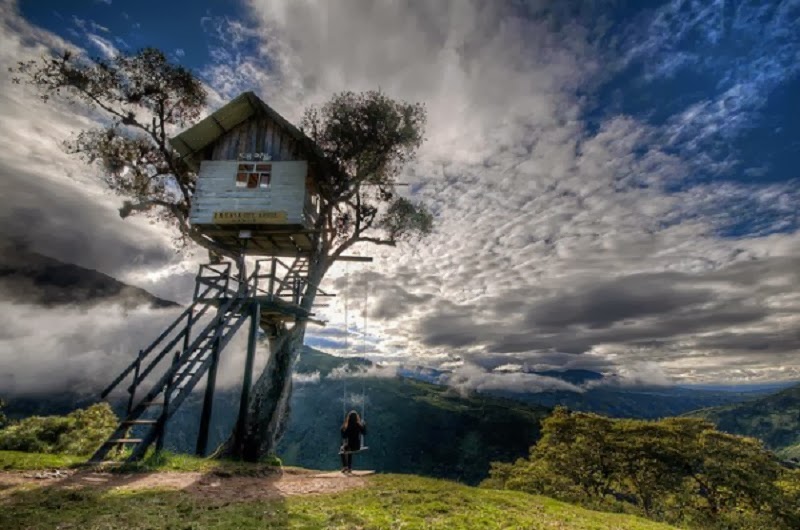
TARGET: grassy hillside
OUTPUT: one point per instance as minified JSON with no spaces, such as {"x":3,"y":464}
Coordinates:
{"x":790,"y":453}
{"x":387,"y":501}
{"x":774,"y":419}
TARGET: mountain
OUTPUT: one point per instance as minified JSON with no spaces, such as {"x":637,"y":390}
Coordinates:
{"x":576,"y":377}
{"x":603,"y":395}
{"x":32,"y":278}
{"x":774,"y":419}
{"x":631,"y":402}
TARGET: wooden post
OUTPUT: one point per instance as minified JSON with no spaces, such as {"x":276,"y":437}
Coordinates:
{"x":273,"y":271}
{"x":132,"y":389}
{"x":208,"y":399}
{"x":162,"y":427}
{"x":247,"y":381}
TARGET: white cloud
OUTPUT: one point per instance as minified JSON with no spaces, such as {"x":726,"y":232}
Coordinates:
{"x":530,"y":202}
{"x":557,"y":241}
{"x":107,"y":49}
{"x":470,"y":377}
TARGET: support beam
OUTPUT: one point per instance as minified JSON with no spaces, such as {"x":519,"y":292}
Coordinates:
{"x":247,"y":381}
{"x":365,"y":259}
{"x":208,"y":399}
{"x":164,"y":416}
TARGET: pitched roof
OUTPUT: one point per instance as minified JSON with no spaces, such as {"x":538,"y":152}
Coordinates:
{"x":196,"y":138}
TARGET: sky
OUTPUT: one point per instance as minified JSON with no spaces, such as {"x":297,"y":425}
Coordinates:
{"x":615,"y":184}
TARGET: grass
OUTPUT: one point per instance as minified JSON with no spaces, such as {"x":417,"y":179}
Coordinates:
{"x":165,"y":461}
{"x":793,"y":451}
{"x":389,"y":501}
{"x":18,"y":461}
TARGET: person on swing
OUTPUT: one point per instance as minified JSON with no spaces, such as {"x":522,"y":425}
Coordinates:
{"x":352,"y":429}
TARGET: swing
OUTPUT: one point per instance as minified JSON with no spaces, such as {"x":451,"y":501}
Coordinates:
{"x":362,"y":445}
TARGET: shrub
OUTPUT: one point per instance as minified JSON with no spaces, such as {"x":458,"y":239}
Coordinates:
{"x":78,"y":433}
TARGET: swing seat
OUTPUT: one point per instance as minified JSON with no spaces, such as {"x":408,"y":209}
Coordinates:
{"x":342,"y":452}
{"x":355,"y":452}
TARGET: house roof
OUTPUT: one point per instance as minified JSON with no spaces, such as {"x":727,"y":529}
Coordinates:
{"x":196,"y":138}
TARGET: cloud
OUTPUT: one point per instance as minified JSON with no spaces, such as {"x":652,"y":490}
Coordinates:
{"x":306,"y":379}
{"x":85,"y":347}
{"x":56,"y":206}
{"x":107,"y":49}
{"x":470,"y":377}
{"x":371,"y":371}
{"x":584,"y":218}
{"x":555,"y":233}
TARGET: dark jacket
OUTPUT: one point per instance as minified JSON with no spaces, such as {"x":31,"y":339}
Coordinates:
{"x":352,"y":435}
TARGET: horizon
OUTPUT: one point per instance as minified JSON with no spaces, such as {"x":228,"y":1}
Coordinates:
{"x":615,"y":188}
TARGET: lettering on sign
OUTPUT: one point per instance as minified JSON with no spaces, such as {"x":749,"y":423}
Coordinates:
{"x":255,"y":156}
{"x":249,"y":218}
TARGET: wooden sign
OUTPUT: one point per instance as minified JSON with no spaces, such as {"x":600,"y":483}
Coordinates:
{"x":249,"y":218}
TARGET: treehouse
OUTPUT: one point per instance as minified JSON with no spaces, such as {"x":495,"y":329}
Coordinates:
{"x":256,"y":190}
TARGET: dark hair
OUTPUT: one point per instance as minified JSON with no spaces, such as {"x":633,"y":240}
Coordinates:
{"x":351,"y":419}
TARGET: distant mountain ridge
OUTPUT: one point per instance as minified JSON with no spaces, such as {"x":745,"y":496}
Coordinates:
{"x":29,"y":277}
{"x":602,"y":394}
{"x":774,"y":419}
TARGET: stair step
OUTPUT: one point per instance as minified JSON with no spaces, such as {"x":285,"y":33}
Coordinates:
{"x":153,"y":403}
{"x":139,"y":422}
{"x":125,"y":441}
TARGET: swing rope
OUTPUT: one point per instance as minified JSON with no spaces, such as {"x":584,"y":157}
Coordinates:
{"x":364,"y":353}
{"x":346,"y":333}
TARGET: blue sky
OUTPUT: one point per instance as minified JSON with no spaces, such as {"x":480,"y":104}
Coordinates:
{"x":616,"y":183}
{"x":174,"y":27}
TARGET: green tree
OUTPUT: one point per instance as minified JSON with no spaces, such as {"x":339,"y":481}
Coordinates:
{"x":3,"y":419}
{"x":679,"y":469}
{"x":366,"y":139}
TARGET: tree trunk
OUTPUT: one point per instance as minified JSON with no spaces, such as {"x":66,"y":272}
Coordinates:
{"x":268,"y":407}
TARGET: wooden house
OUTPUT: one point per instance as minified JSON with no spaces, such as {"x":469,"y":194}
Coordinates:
{"x":255,"y":182}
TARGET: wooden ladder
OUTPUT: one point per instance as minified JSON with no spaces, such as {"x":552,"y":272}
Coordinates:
{"x":150,"y":414}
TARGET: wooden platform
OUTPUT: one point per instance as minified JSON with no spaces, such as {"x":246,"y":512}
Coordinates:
{"x":270,"y":306}
{"x":265,"y":240}
{"x":339,"y":474}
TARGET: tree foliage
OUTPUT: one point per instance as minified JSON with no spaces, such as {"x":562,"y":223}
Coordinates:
{"x":679,"y":470}
{"x":3,"y":419}
{"x":79,"y":433}
{"x":369,"y":138}
{"x":141,"y":99}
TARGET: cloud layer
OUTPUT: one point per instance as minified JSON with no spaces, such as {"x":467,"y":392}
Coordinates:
{"x":591,"y":211}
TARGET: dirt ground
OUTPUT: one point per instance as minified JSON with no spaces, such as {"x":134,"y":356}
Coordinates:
{"x":208,"y":487}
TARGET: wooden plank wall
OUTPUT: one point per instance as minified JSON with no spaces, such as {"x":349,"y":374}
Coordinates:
{"x":217,"y":191}
{"x":257,"y":135}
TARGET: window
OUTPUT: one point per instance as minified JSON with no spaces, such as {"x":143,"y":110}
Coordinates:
{"x":254,"y":176}
{"x":264,"y":175}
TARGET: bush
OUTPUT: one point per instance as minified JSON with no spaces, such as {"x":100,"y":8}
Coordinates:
{"x":3,"y":419}
{"x":78,"y":433}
